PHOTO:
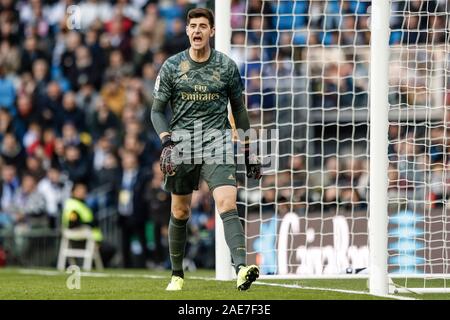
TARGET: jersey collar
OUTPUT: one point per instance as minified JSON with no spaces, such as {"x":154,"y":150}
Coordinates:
{"x":199,"y":64}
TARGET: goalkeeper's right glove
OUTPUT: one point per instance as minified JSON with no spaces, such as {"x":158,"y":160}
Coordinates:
{"x":167,"y":163}
{"x":252,"y":164}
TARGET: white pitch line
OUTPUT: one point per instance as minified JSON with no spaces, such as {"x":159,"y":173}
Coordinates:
{"x":128,"y":275}
{"x":204,"y":278}
{"x":40,"y":272}
{"x":91,"y":274}
{"x":294,"y":286}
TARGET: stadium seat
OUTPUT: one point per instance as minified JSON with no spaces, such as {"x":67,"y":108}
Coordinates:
{"x":90,"y":253}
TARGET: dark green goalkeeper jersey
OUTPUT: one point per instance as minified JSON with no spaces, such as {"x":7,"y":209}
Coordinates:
{"x":198,"y":92}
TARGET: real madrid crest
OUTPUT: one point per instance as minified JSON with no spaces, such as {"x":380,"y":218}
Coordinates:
{"x":184,"y":66}
{"x":216,"y":75}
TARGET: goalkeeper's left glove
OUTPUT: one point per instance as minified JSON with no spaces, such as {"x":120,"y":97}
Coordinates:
{"x":252,"y":164}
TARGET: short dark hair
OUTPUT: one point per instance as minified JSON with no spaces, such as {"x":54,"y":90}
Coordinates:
{"x":80,"y":183}
{"x":201,"y":12}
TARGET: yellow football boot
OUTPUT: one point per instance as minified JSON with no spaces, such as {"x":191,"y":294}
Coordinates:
{"x":246,"y":276}
{"x":176,"y":284}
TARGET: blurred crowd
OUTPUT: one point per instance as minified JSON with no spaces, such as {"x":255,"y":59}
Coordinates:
{"x":76,"y":86}
{"x":418,"y":176}
{"x":75,"y":89}
{"x":272,"y":39}
{"x":327,"y":42}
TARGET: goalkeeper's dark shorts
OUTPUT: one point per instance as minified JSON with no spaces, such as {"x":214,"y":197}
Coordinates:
{"x":187,"y":177}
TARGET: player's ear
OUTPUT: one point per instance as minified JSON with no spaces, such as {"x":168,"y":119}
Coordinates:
{"x":213,"y":31}
{"x":187,"y":31}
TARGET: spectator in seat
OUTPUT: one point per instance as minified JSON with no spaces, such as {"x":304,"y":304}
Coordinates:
{"x":86,"y":99}
{"x":26,"y":114}
{"x":331,"y":176}
{"x":176,"y":41}
{"x":28,"y":207}
{"x":7,"y":91}
{"x":83,"y":71}
{"x":52,"y":104}
{"x":118,"y":68}
{"x":72,"y":42}
{"x":12,"y":152}
{"x":109,"y":176}
{"x":30,"y":54}
{"x":75,"y":165}
{"x":6,"y":123}
{"x":104,"y":119}
{"x":55,"y":188}
{"x":34,"y":167}
{"x":71,"y":113}
{"x":113,"y":94}
{"x":28,"y":213}
{"x":41,"y":78}
{"x":132,"y":213}
{"x":9,"y":185}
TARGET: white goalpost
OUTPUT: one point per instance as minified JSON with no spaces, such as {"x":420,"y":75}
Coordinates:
{"x":357,"y":92}
{"x":222,"y":14}
{"x":379,"y":110}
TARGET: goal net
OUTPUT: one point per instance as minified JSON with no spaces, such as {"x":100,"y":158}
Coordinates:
{"x":306,"y":67}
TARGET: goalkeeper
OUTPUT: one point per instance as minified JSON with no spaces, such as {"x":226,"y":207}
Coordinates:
{"x":198,"y":83}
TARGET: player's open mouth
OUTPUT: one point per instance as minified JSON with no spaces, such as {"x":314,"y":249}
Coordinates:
{"x":197,"y":39}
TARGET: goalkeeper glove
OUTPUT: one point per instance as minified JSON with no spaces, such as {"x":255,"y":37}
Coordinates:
{"x":167,"y":163}
{"x":252,"y":164}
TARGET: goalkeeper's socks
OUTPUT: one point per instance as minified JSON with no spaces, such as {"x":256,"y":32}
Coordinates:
{"x":177,"y":242}
{"x":234,"y":236}
{"x":178,"y":273}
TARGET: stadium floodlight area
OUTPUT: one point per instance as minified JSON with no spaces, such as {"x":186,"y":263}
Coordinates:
{"x":357,"y":92}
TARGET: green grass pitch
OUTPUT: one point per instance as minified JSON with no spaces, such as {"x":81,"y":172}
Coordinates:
{"x":47,"y":284}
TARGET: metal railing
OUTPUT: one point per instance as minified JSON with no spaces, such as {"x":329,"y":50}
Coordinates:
{"x":38,"y":247}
